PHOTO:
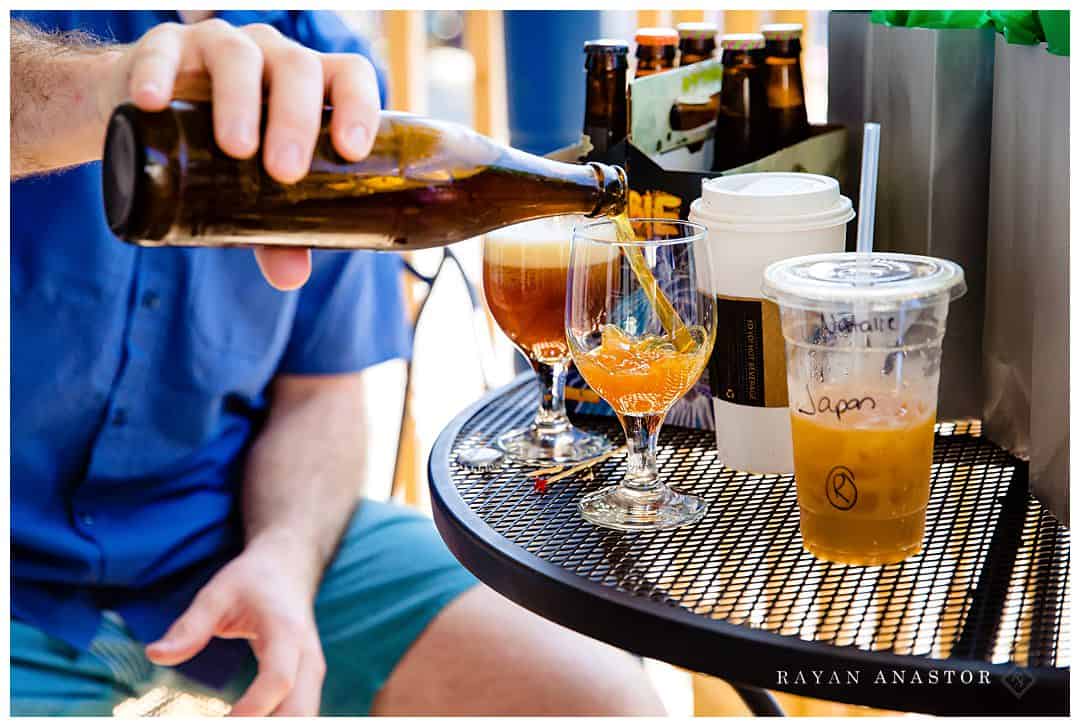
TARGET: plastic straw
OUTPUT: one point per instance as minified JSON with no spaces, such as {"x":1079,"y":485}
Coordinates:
{"x":864,"y":243}
{"x":868,"y":186}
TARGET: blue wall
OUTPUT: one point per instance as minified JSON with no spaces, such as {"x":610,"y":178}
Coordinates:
{"x":545,"y":75}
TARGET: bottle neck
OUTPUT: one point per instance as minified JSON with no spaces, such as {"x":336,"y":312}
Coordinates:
{"x":590,"y":189}
{"x":653,"y":59}
{"x":605,"y":108}
{"x":694,"y":51}
{"x":743,"y":58}
{"x":783,"y":48}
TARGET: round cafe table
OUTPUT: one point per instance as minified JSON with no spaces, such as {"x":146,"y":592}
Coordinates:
{"x":977,"y":623}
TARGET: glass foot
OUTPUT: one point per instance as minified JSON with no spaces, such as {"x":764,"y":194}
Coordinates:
{"x":622,"y":508}
{"x":563,"y":446}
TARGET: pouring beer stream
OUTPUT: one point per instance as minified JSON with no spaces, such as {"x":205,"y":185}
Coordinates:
{"x":665,"y":311}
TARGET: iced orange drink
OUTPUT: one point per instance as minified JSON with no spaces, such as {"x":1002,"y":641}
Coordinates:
{"x":863,"y":476}
{"x":862,"y":335}
{"x":642,"y":376}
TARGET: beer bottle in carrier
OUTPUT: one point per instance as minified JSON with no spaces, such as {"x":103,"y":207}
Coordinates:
{"x":697,"y":42}
{"x":426,"y":183}
{"x":742,"y":133}
{"x":784,"y":84}
{"x":605,"y":93}
{"x":656,"y":48}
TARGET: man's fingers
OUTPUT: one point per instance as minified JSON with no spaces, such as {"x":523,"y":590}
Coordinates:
{"x":235,"y":65}
{"x":354,"y":93}
{"x":294,"y":110}
{"x":279,"y":662}
{"x":190,"y":633}
{"x":154,"y":66}
{"x":284,"y":268}
{"x":306,"y":694}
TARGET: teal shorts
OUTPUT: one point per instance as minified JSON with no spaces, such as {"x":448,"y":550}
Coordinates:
{"x":391,"y":576}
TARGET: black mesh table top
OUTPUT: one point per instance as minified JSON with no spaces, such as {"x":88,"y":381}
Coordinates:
{"x":977,"y":623}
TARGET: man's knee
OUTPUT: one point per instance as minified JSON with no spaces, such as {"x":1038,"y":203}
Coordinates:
{"x":486,"y":655}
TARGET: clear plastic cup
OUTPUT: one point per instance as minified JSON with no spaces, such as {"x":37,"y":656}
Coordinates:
{"x":862,"y":337}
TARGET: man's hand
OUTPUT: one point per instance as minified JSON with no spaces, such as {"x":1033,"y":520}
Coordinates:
{"x":181,"y":61}
{"x":265,"y":595}
{"x":301,"y":484}
{"x":63,"y":94}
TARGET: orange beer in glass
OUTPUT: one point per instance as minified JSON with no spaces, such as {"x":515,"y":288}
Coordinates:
{"x":640,"y":329}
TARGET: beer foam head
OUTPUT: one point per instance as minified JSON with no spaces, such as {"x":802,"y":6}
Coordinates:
{"x":543,"y":243}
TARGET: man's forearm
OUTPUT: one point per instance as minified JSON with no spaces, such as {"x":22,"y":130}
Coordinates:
{"x":305,"y":469}
{"x":58,"y":85}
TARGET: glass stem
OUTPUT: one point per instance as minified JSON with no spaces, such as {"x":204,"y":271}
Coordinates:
{"x":551,"y":416}
{"x":641,"y":435}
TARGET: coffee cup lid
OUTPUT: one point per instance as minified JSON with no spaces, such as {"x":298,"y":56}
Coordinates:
{"x":770,"y":193}
{"x":773,"y":201}
{"x":878,"y":279}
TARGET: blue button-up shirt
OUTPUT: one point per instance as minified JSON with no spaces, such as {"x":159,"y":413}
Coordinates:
{"x":139,"y":380}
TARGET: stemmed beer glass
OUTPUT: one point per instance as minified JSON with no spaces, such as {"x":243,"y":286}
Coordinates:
{"x":525,"y":274}
{"x":640,"y":324}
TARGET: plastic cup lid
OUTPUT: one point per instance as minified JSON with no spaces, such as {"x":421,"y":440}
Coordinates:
{"x":879,"y":279}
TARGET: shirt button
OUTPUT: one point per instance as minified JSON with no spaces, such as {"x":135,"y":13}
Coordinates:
{"x":86,"y":518}
{"x":119,"y":418}
{"x":151,"y":300}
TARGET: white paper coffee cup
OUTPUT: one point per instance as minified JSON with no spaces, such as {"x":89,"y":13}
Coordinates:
{"x":753,"y":221}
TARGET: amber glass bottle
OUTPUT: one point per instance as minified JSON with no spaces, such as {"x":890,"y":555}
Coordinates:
{"x":605,"y":93}
{"x":784,"y":84}
{"x":697,"y":42}
{"x":425,"y":183}
{"x":742,"y":133}
{"x":656,"y":48}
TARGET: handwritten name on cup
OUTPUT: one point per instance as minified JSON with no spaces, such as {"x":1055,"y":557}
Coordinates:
{"x":839,"y":407}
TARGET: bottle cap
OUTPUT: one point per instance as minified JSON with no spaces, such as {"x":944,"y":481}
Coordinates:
{"x":742,"y":41}
{"x":782,"y":31}
{"x":656,"y":36}
{"x":607,"y":45}
{"x":481,"y":459}
{"x":697,"y":31}
{"x":693,"y":100}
